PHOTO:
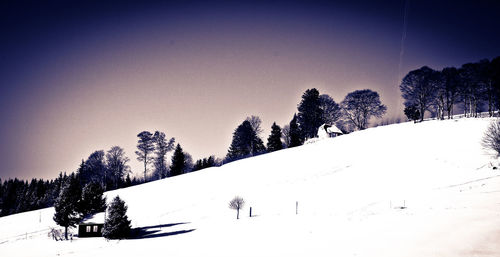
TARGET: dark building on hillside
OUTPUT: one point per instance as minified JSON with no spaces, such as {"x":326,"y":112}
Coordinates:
{"x":92,"y":226}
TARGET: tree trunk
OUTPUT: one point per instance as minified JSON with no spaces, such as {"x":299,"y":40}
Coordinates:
{"x":145,"y":158}
{"x":66,"y":233}
{"x":237,"y":214}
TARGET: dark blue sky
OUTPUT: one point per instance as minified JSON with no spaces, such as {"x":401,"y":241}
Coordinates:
{"x":78,"y":76}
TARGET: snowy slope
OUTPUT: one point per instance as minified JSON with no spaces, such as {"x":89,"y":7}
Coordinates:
{"x":349,"y":190}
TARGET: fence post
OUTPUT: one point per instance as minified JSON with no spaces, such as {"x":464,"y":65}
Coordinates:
{"x":296,"y":207}
{"x":250,"y":211}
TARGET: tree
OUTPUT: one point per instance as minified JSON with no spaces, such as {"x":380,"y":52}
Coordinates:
{"x":93,"y":169}
{"x":471,"y":88}
{"x":412,"y":113}
{"x":245,"y":142}
{"x":495,"y":74}
{"x":285,"y":135}
{"x":146,"y":147}
{"x":310,"y":113}
{"x":237,"y":204}
{"x":450,"y":84}
{"x":295,"y":134}
{"x":491,"y":138}
{"x":188,"y":162}
{"x":418,"y":89}
{"x":162,"y":147}
{"x":204,"y":163}
{"x":274,"y":140}
{"x":117,"y":224}
{"x":66,"y":205}
{"x":92,"y":200}
{"x":360,"y":105}
{"x":256,"y":122}
{"x":330,"y":110}
{"x":178,"y":162}
{"x":116,"y":164}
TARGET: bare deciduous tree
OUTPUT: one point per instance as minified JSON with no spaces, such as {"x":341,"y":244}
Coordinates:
{"x":491,"y":138}
{"x":285,"y":135}
{"x":255,"y":121}
{"x":116,"y":163}
{"x":237,"y":204}
{"x":359,"y":106}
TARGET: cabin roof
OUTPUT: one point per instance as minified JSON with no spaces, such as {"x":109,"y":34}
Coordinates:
{"x":97,"y":218}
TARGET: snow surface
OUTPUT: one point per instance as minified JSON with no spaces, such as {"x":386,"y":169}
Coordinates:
{"x":425,"y":189}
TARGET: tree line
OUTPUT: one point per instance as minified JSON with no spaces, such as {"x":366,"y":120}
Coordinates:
{"x":472,"y":89}
{"x":315,"y":109}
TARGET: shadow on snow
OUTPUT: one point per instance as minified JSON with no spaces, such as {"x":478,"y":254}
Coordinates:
{"x":156,"y":231}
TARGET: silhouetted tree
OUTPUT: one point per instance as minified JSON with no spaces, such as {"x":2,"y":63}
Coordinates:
{"x":178,"y":161}
{"x":116,"y":164}
{"x":418,"y":88}
{"x":117,"y":224}
{"x":295,"y":133}
{"x":162,"y":147}
{"x":359,"y":106}
{"x":92,"y":200}
{"x":412,"y":113}
{"x":330,"y":110}
{"x":274,"y":140}
{"x":145,"y":144}
{"x":310,"y":113}
{"x":204,"y":163}
{"x":93,"y":169}
{"x":495,"y":73}
{"x":66,"y":206}
{"x":245,"y":142}
{"x":256,"y":123}
{"x":450,"y":86}
{"x":237,"y":204}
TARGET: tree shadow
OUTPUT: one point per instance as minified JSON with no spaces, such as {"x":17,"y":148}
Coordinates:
{"x":154,"y":231}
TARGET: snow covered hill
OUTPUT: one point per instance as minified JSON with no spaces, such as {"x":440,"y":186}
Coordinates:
{"x":425,"y":189}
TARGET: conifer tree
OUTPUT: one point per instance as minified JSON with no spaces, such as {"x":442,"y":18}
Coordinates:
{"x":245,"y":142}
{"x":66,"y":210}
{"x":274,"y":140}
{"x":117,"y":224}
{"x":178,"y":161}
{"x":295,"y":133}
{"x":310,"y":115}
{"x":92,"y":200}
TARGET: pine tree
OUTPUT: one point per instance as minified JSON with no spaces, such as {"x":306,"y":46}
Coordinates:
{"x":295,"y":133}
{"x":310,"y":113}
{"x":66,"y":213}
{"x":178,"y":161}
{"x":245,"y":142}
{"x":274,"y":140}
{"x":117,"y":224}
{"x":92,"y":200}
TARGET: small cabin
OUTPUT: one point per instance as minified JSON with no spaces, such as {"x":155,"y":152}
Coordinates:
{"x":92,"y":225}
{"x":326,"y":131}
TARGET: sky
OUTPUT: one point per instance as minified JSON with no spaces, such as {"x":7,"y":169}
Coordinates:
{"x":80,"y":76}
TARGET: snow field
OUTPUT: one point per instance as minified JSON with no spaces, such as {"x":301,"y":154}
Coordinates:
{"x":349,"y":190}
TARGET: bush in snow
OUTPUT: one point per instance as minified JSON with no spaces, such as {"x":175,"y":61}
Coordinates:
{"x":237,"y":204}
{"x":117,"y":225}
{"x":491,"y":139}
